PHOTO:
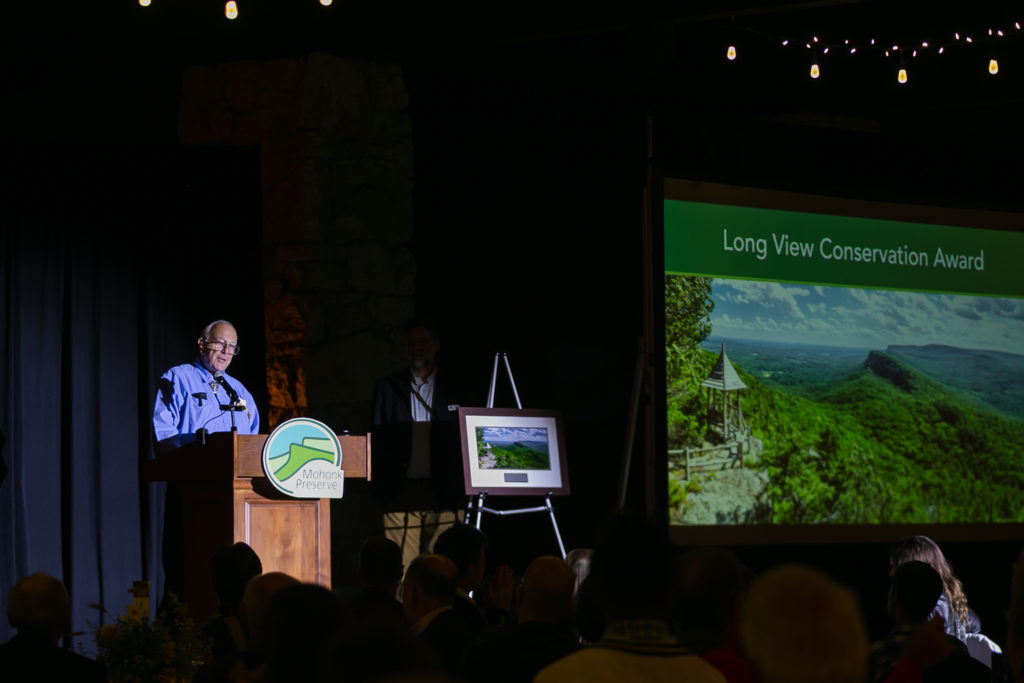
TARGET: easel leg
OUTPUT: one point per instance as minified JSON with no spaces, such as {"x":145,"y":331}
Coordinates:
{"x":554,"y":524}
{"x":479,"y":509}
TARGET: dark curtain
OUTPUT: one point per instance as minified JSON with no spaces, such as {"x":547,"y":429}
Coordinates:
{"x":108,"y":274}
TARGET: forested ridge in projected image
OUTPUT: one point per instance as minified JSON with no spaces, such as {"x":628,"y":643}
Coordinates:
{"x":513,"y":448}
{"x":842,"y":405}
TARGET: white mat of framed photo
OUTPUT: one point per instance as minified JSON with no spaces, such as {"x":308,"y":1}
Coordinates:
{"x":513,"y":451}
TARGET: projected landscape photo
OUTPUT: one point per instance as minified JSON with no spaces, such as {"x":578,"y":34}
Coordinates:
{"x":515,"y":448}
{"x":801,"y":404}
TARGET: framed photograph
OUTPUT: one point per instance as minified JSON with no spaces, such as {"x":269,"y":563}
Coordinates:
{"x":513,"y":452}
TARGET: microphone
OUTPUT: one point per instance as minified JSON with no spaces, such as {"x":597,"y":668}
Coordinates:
{"x":232,"y":394}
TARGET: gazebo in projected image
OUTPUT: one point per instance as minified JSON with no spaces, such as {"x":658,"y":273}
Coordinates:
{"x":725,"y":416}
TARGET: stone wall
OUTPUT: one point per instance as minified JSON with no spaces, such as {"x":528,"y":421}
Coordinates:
{"x":335,"y":143}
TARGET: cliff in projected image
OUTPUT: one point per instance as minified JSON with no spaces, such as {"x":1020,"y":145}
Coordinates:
{"x":856,"y":406}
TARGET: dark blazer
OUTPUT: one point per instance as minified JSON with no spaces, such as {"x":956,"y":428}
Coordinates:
{"x":447,"y":637}
{"x":33,"y":659}
{"x":391,"y":440}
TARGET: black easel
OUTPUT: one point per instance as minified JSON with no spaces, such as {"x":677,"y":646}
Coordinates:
{"x":479,"y":507}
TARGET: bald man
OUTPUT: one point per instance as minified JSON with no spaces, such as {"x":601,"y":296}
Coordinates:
{"x":201,"y":395}
{"x":542,"y":634}
{"x":39,"y":608}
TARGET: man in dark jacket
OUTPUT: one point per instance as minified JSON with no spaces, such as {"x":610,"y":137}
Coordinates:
{"x":417,"y":465}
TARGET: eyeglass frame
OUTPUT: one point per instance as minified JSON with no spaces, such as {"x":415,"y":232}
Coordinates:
{"x":221,"y":345}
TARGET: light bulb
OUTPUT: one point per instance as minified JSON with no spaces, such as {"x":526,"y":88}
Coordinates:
{"x":145,"y":3}
{"x":730,"y":54}
{"x":902,"y":77}
{"x":231,"y":10}
{"x":993,"y":66}
{"x":326,"y":3}
{"x":815,"y":71}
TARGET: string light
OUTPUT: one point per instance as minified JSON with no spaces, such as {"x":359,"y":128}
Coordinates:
{"x":231,"y":9}
{"x":819,"y":45}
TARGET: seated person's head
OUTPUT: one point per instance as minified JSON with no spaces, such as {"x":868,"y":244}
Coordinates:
{"x":230,"y":569}
{"x":708,"y":583}
{"x":629,"y":572}
{"x":915,"y":590}
{"x":546,"y":590}
{"x":259,"y":591}
{"x":464,"y":545}
{"x":38,"y":605}
{"x":797,"y":625}
{"x":430,"y":583}
{"x":380,"y":562}
{"x":300,"y":619}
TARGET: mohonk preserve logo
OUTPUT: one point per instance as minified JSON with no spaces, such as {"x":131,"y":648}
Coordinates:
{"x":302,"y":458}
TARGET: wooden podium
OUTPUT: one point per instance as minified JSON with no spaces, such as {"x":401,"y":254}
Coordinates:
{"x":227,"y":499}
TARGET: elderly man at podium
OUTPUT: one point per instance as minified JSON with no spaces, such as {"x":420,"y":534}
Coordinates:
{"x":198,"y":398}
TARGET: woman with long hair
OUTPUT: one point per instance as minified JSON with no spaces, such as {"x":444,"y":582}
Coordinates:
{"x":952,"y":605}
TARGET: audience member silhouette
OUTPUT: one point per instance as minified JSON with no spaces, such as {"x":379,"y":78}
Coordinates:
{"x":914,"y":591}
{"x":466,"y":546}
{"x":252,"y":613}
{"x":799,"y":626}
{"x":299,"y":620}
{"x":230,"y":569}
{"x":514,"y":653}
{"x":709,"y":585}
{"x":428,"y":597}
{"x":380,"y":571}
{"x":629,"y":576}
{"x":960,"y":619}
{"x":378,"y":649}
{"x":952,"y":606}
{"x":39,"y":609}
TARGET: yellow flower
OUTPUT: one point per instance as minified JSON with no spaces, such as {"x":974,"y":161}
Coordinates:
{"x":108,"y":631}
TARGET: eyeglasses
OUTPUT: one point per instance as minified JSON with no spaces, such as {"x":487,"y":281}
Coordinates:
{"x":221,"y":345}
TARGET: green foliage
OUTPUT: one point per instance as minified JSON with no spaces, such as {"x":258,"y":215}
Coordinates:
{"x":688,"y":306}
{"x":884,"y":443}
{"x":676,"y":494}
{"x":890,"y":445}
{"x":520,"y":456}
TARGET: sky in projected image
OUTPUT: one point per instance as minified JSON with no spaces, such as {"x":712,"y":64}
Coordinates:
{"x":863,"y":318}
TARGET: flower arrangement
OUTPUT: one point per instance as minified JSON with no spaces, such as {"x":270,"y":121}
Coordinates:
{"x":167,"y":650}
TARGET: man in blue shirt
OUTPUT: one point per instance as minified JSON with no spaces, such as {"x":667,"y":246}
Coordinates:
{"x":201,"y":395}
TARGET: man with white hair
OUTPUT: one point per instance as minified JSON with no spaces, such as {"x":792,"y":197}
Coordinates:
{"x":800,"y":626}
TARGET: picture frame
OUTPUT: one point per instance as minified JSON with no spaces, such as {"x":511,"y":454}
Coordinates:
{"x":513,"y":452}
